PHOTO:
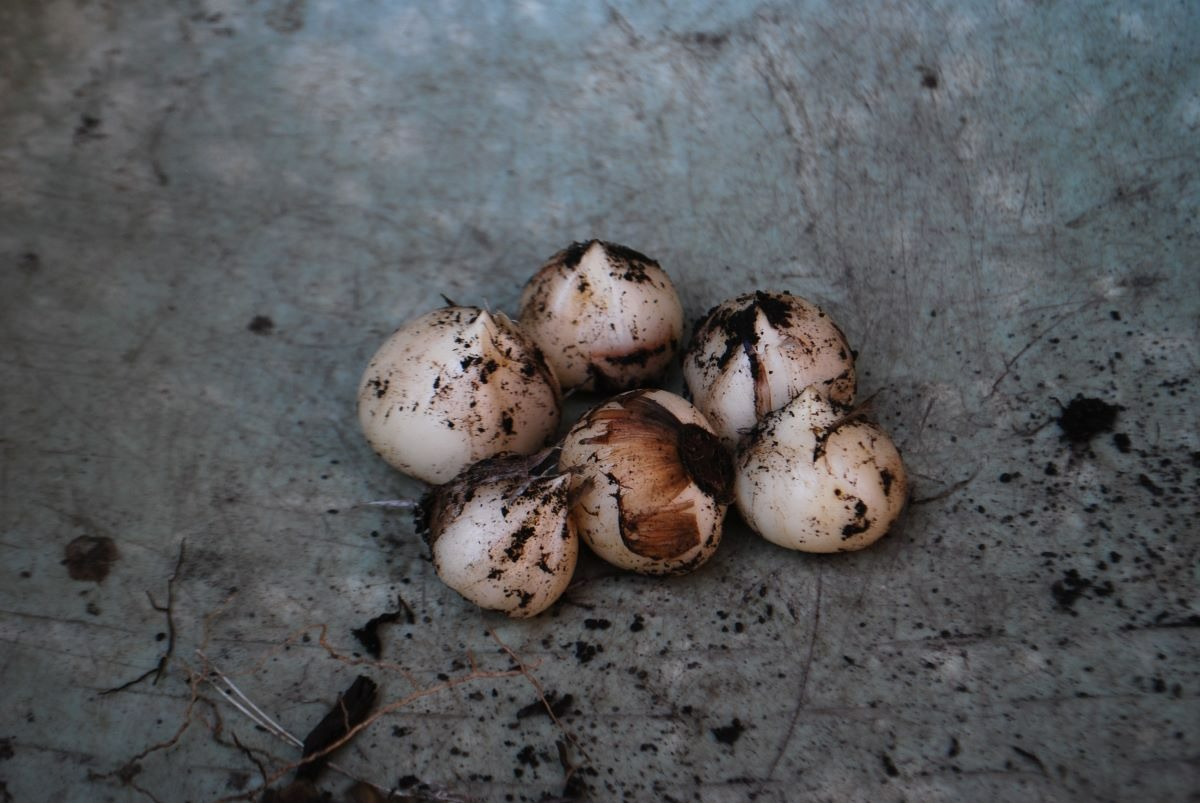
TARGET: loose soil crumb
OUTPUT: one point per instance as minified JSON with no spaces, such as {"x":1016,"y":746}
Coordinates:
{"x":1084,"y":418}
{"x":729,"y":734}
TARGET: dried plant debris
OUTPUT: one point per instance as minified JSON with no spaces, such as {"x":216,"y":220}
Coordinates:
{"x":350,"y":709}
{"x":368,"y":634}
{"x":552,"y":706}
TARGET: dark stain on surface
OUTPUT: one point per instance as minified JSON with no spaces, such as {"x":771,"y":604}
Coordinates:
{"x":1073,"y":586}
{"x":88,"y":129}
{"x":287,"y":17}
{"x":29,"y":263}
{"x":89,"y":558}
{"x":709,"y":40}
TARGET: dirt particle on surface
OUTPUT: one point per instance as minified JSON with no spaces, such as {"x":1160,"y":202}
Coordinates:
{"x":88,"y":129}
{"x":261,"y":325}
{"x":29,"y":263}
{"x":89,"y":558}
{"x":585,"y":652}
{"x":1073,"y":586}
{"x":889,"y":766}
{"x":729,"y":734}
{"x":528,"y":756}
{"x":288,"y":17}
{"x":1084,"y":418}
{"x":1149,"y":485}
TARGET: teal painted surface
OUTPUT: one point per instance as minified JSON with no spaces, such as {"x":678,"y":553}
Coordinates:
{"x":997,"y":202}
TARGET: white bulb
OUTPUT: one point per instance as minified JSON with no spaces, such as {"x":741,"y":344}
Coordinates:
{"x":455,"y":386}
{"x":606,"y":317}
{"x":814,"y":478}
{"x":652,"y":482}
{"x":501,"y":538}
{"x":755,"y":353}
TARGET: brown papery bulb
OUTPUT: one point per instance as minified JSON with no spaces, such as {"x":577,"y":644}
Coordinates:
{"x":651,"y":482}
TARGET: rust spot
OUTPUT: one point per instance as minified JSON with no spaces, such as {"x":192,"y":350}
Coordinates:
{"x":90,"y":557}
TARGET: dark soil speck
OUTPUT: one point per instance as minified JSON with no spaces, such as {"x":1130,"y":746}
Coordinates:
{"x":261,"y":325}
{"x":729,"y":734}
{"x":1084,"y":418}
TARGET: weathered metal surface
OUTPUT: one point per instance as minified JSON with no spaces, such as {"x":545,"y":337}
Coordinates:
{"x":211,"y":215}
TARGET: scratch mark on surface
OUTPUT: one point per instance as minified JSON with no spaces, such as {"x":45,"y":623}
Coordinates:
{"x":803,"y":695}
{"x":1009,"y":363}
{"x":942,"y":494}
{"x":169,"y":610}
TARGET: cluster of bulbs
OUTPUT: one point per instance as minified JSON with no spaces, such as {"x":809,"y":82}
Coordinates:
{"x":470,"y":402}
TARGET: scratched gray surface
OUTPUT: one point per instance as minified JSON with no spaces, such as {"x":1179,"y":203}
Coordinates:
{"x":998,"y":201}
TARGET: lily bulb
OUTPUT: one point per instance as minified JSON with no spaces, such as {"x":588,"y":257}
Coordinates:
{"x":817,"y":478}
{"x":501,"y":536}
{"x":755,"y":353}
{"x":453,"y":387}
{"x":651,"y":482}
{"x":606,"y":317}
